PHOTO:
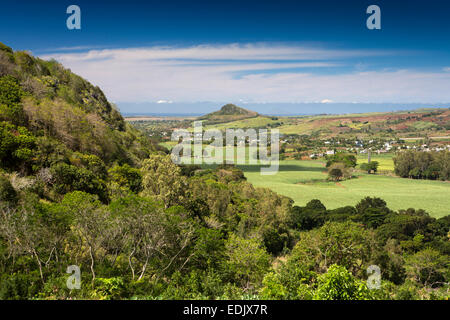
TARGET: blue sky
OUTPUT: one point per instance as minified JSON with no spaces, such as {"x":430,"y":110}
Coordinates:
{"x":160,"y":54}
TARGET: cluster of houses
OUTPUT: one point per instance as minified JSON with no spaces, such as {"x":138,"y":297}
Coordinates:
{"x":390,"y":146}
{"x":393,"y":146}
{"x":427,"y":148}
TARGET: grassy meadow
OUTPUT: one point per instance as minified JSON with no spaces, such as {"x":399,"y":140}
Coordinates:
{"x":386,"y":164}
{"x":304,"y":180}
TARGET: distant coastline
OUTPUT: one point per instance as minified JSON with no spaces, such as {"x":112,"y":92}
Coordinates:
{"x":155,"y":116}
{"x":178,"y":109}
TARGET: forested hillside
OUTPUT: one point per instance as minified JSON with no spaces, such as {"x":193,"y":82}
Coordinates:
{"x":78,"y":186}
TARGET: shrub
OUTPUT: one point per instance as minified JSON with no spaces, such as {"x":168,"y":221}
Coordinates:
{"x":126,"y":177}
{"x":68,"y":178}
{"x":10,"y":91}
{"x":16,"y":146}
{"x":346,"y":244}
{"x":272,"y":288}
{"x":348,"y":160}
{"x":19,"y":286}
{"x":109,"y":288}
{"x":275,"y":240}
{"x":247,"y":261}
{"x":7,"y":192}
{"x":339,"y":284}
{"x":369,"y":167}
{"x":428,"y":267}
{"x":338,"y":171}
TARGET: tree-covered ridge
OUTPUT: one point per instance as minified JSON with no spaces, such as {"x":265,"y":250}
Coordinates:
{"x":45,"y":108}
{"x":49,"y":79}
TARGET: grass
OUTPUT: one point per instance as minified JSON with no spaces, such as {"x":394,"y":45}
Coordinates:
{"x":306,"y":180}
{"x":168,"y":144}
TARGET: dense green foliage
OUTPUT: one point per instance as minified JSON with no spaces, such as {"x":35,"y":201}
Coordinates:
{"x":218,"y":238}
{"x":349,"y":160}
{"x":423,"y":165}
{"x":8,"y":194}
{"x":16,"y":147}
{"x":370,"y":167}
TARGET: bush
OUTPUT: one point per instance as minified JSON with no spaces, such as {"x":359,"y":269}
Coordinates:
{"x":369,"y":167}
{"x":291,"y":281}
{"x":311,"y":216}
{"x":275,"y":240}
{"x":336,"y":174}
{"x":428,"y":267}
{"x":315,"y":204}
{"x":272,"y":289}
{"x":247,"y":261}
{"x":19,"y":286}
{"x":109,"y":288}
{"x":10,"y":97}
{"x":346,"y":244}
{"x":16,"y":146}
{"x":68,"y":178}
{"x":4,"y":47}
{"x":338,"y":171}
{"x":339,"y":284}
{"x":349,"y":160}
{"x":10,"y":91}
{"x":7,"y":192}
{"x":126,"y":177}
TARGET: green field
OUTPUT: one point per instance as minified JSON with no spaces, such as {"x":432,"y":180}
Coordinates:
{"x":386,"y":164}
{"x":305,"y":180}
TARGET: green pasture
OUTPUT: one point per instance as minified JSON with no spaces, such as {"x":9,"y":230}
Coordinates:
{"x":303,"y":180}
{"x":385,"y":161}
{"x":306,"y":180}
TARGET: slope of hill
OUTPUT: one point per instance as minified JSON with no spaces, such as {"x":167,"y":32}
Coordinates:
{"x":47,"y":109}
{"x":228,"y":113}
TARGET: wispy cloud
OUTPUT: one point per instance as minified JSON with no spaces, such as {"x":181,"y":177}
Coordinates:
{"x":71,"y":49}
{"x":271,"y":73}
{"x":253,"y":52}
{"x":164,"y":101}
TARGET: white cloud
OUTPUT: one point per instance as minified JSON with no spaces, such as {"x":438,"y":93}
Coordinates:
{"x":446,"y":69}
{"x":164,"y":101}
{"x":326,"y":101}
{"x":254,"y":52}
{"x":253,"y":73}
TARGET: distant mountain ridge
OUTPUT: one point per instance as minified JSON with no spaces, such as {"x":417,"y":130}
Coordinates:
{"x":227,"y":113}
